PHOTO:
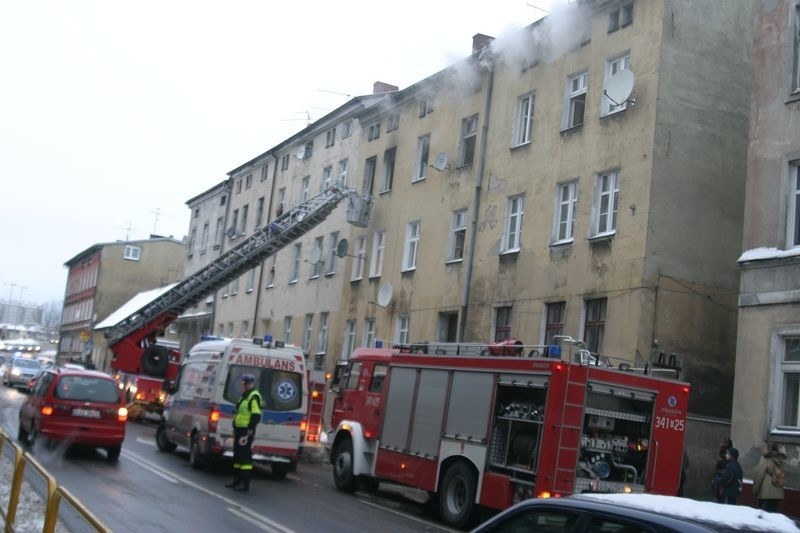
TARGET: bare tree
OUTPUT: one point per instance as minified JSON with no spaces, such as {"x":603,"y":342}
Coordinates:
{"x":51,"y":315}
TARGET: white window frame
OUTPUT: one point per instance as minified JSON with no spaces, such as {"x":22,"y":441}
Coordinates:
{"x":192,"y":239}
{"x":401,"y":329}
{"x":132,"y":253}
{"x":795,"y":88}
{"x":606,"y":205}
{"x":271,"y":273}
{"x":781,"y":369}
{"x":327,"y":177}
{"x":243,"y":227}
{"x":330,"y":264}
{"x":347,"y":129}
{"x":307,"y":330}
{"x":421,"y":158}
{"x":793,"y":208}
{"x":330,"y":137}
{"x":369,"y":332}
{"x":322,"y":334}
{"x":349,"y":343}
{"x":251,"y":280}
{"x":378,"y":250}
{"x":411,"y":248}
{"x":287,"y":329}
{"x":305,"y":189}
{"x":512,"y":227}
{"x":370,"y":170}
{"x":614,"y":65}
{"x":576,"y":90}
{"x":259,"y":212}
{"x":204,"y":238}
{"x":316,"y":268}
{"x":359,"y":259}
{"x":565,"y":212}
{"x":458,"y":235}
{"x":220,"y":232}
{"x":373,"y":131}
{"x":298,"y":250}
{"x":469,"y":138}
{"x":342,"y":171}
{"x":389,"y":160}
{"x":392,"y":122}
{"x":523,"y":125}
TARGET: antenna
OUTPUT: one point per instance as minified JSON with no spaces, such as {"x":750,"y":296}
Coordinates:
{"x":348,"y":96}
{"x":619,"y":87}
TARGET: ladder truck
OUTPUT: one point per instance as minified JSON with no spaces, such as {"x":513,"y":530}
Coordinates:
{"x":132,"y":340}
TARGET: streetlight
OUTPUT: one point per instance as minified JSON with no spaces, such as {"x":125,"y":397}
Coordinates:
{"x":7,"y":312}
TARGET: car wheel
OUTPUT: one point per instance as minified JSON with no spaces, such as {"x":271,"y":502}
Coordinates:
{"x":22,"y":435}
{"x":280,"y":470}
{"x":112,"y":453}
{"x":343,"y":466}
{"x":195,"y":457}
{"x":163,"y":444}
{"x":457,"y":495}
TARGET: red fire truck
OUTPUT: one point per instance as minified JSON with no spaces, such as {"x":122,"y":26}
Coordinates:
{"x":479,"y":425}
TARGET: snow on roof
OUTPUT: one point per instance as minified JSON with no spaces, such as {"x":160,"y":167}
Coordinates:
{"x":757,"y":254}
{"x":131,"y":306}
{"x":732,"y":516}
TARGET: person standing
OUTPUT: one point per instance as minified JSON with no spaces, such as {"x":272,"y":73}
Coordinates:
{"x":716,"y":490}
{"x":730,"y":479}
{"x":768,"y":478}
{"x":245,"y":419}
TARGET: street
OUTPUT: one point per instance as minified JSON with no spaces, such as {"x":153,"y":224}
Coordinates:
{"x":152,"y":491}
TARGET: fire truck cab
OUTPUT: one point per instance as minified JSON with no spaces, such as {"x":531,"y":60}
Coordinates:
{"x":478,"y":429}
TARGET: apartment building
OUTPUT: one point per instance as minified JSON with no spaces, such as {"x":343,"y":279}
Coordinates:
{"x":766,"y":399}
{"x":103,"y":277}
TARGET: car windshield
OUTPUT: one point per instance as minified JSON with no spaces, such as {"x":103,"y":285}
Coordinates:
{"x":87,"y":388}
{"x":27,"y":363}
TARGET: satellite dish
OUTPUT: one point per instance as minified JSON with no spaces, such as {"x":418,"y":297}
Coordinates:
{"x":231,"y":232}
{"x":300,"y":153}
{"x":385,"y":294}
{"x":620,"y":87}
{"x":341,"y":248}
{"x":316,"y":255}
{"x":440,"y":162}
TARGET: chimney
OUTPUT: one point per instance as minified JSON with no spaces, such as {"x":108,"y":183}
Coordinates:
{"x":380,"y":87}
{"x":480,"y":41}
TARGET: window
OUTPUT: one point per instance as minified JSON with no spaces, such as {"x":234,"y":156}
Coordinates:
{"x":425,"y":107}
{"x":251,"y":280}
{"x":388,"y":169}
{"x":796,"y":73}
{"x":469,"y":133}
{"x":281,"y":201}
{"x":576,"y":100}
{"x":447,"y":330}
{"x":369,"y":175}
{"x":248,"y":181}
{"x":793,"y":235}
{"x":343,"y":171}
{"x":353,"y":375}
{"x":284,"y":162}
{"x":235,"y":286}
{"x":296,"y":263}
{"x":369,"y":332}
{"x":595,"y":325}
{"x":607,"y":198}
{"x":305,"y":189}
{"x":238,"y":186}
{"x":322,"y":334}
{"x":423,"y":153}
{"x":222,"y":200}
{"x":502,"y":323}
{"x":523,"y":126}
{"x":373,"y":131}
{"x":378,"y":247}
{"x":192,"y":239}
{"x":234,"y":224}
{"x":196,"y":213}
{"x":271,"y":273}
{"x":566,"y":207}
{"x":307,"y":332}
{"x":513,"y":224}
{"x":358,"y":259}
{"x":219,"y":232}
{"x":204,"y":238}
{"x":330,"y":137}
{"x":349,"y":339}
{"x":392,"y":123}
{"x":333,"y":240}
{"x":401,"y":327}
{"x":316,"y":268}
{"x":379,"y":372}
{"x":788,"y":405}
{"x":259,"y":212}
{"x":243,"y":228}
{"x":411,"y":247}
{"x":620,"y":17}
{"x":347,"y":129}
{"x":264,"y":172}
{"x":132,"y":253}
{"x":327,"y":176}
{"x":308,"y":150}
{"x":458,"y":234}
{"x":612,"y":67}
{"x":555,"y":321}
{"x":287,"y":329}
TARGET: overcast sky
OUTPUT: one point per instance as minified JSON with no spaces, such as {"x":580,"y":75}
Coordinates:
{"x":113,"y":114}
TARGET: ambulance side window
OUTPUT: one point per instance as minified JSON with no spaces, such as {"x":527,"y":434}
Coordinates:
{"x":378,"y":377}
{"x":352,"y":376}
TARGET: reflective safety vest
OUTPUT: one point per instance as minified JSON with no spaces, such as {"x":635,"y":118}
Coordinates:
{"x":246,"y":408}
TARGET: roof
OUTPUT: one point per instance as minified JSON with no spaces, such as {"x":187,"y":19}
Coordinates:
{"x":99,"y":247}
{"x":133,"y":305}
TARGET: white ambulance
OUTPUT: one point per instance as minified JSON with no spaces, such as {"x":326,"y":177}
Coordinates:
{"x":198,"y":415}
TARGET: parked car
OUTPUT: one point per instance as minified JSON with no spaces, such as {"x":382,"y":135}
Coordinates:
{"x":76,"y":407}
{"x":633,"y":512}
{"x":20,"y":370}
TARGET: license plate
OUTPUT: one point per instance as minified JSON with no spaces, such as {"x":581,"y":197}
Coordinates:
{"x":86,"y":413}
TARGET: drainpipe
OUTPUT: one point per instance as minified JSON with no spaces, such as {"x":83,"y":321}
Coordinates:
{"x":476,"y":199}
{"x":263,"y":263}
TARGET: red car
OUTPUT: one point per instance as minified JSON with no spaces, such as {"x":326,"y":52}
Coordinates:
{"x":76,"y":407}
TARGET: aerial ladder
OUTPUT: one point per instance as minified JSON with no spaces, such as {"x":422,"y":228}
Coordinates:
{"x":132,"y":340}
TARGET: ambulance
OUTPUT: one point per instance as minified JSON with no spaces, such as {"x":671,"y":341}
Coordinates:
{"x":198,"y":415}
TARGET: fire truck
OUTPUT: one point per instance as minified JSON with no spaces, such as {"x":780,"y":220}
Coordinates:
{"x":147,"y":366}
{"x":490,"y":425}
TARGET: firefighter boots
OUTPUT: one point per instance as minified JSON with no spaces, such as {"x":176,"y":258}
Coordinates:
{"x":243,"y":484}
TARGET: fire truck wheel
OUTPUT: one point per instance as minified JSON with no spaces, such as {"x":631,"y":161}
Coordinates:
{"x":161,"y":440}
{"x":155,"y":360}
{"x":195,"y":457}
{"x":457,"y":495}
{"x":343,"y":467}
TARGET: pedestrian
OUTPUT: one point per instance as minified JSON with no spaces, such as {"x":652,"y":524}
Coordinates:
{"x":729,"y":480}
{"x":768,"y":477}
{"x":716,"y":490}
{"x":245,"y":419}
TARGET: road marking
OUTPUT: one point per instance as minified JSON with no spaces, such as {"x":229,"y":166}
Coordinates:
{"x":142,"y":440}
{"x":263,"y":520}
{"x":146,"y":466}
{"x":404,"y":515}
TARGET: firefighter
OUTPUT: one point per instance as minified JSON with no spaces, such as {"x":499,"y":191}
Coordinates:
{"x":245,"y":420}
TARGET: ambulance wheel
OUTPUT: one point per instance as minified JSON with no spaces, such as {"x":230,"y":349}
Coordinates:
{"x":343,"y":466}
{"x":457,"y":495}
{"x":280,"y":470}
{"x":161,"y":440}
{"x":195,"y":457}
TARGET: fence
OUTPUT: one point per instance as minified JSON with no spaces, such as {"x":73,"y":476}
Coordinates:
{"x":31,"y":500}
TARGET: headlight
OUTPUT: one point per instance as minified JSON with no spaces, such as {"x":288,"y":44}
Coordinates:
{"x":16,"y":372}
